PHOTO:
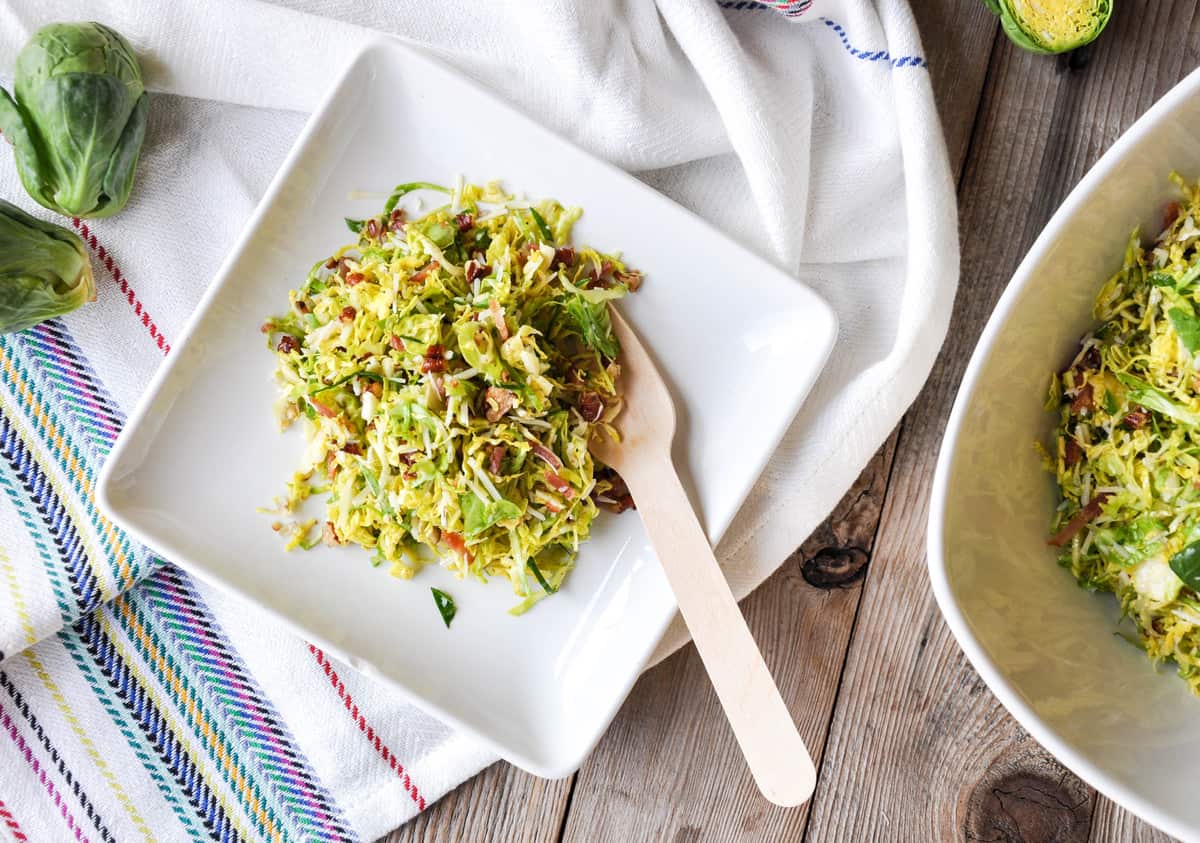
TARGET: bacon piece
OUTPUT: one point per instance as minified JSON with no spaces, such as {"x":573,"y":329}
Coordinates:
{"x":324,"y":409}
{"x":352,"y":448}
{"x":331,"y":263}
{"x":373,"y":228}
{"x":396,"y":220}
{"x":1136,"y":419}
{"x":464,"y":221}
{"x":459,"y":545}
{"x":498,"y":318}
{"x":1072,"y":453}
{"x":631,"y":279}
{"x":372,"y":386}
{"x":1090,"y":361}
{"x":476,"y":269}
{"x":348,"y":314}
{"x":434,"y":359}
{"x":591,"y":406}
{"x":355,"y":278}
{"x":602,"y":277}
{"x":550,"y":458}
{"x":560,"y":485}
{"x":1083,"y":400}
{"x":616,"y":505}
{"x":301,"y":306}
{"x":1081,"y":520}
{"x":495,"y":458}
{"x":497,"y":402}
{"x":1170,"y":213}
{"x":329,"y":535}
{"x":421,"y":274}
{"x":563,"y":256}
{"x":617,"y":499}
{"x":287,"y":344}
{"x":396,"y":343}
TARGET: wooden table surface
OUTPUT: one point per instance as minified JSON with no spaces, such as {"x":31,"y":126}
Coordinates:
{"x":909,"y":743}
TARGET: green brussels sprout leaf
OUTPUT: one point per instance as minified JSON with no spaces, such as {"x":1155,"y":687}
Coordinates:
{"x":44,"y":270}
{"x":29,"y":161}
{"x":76,"y":118}
{"x":118,"y":179}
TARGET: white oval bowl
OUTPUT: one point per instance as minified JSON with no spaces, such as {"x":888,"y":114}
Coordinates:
{"x":1045,"y":647}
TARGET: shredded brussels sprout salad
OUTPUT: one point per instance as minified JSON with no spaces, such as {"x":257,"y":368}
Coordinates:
{"x":1127,"y":445}
{"x":449,"y":371}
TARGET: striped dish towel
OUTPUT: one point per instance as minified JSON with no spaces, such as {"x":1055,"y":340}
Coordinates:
{"x":138,"y":704}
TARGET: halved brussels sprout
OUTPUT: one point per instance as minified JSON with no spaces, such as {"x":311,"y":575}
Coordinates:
{"x":76,"y":118}
{"x":44,"y":270}
{"x":1052,"y":26}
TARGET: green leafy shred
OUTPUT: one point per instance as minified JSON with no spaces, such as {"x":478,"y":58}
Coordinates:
{"x":1126,"y":452}
{"x":445,"y":605}
{"x":537,"y":572}
{"x":449,"y":371}
{"x":541,"y":224}
{"x":594,"y":324}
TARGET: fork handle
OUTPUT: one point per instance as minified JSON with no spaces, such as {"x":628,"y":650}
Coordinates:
{"x":764,"y":729}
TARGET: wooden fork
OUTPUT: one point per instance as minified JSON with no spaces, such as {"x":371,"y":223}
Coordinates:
{"x":773,"y":749}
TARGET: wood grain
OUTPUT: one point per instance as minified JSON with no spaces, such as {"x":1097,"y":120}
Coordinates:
{"x":651,"y":778}
{"x":669,"y":767}
{"x":1110,"y":822}
{"x":500,"y":805}
{"x":653,"y":738}
{"x":966,"y":771}
{"x":917,"y":748}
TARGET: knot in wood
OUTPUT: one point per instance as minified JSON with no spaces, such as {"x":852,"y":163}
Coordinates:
{"x":1027,"y":805}
{"x":834,"y":567}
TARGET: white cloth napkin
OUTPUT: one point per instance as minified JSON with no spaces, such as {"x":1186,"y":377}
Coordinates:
{"x":811,"y":138}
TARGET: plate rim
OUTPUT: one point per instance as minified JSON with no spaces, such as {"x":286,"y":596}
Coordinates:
{"x":106,"y":497}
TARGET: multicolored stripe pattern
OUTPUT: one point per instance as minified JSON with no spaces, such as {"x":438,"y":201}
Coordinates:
{"x":788,"y":8}
{"x":153,"y":658}
{"x":126,"y":710}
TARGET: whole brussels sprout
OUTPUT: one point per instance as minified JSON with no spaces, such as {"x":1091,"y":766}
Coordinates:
{"x":44,"y":270}
{"x":78,"y":118}
{"x":1052,"y":26}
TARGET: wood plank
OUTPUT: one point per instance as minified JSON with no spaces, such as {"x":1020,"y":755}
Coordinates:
{"x":501,"y":804}
{"x":1111,"y":822}
{"x":941,"y":759}
{"x":836,"y":553}
{"x":958,"y":42}
{"x":669,"y":768}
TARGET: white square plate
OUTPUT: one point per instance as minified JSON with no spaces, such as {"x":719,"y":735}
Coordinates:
{"x":739,"y":341}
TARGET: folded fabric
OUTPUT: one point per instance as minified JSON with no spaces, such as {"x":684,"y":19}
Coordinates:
{"x":135,"y":703}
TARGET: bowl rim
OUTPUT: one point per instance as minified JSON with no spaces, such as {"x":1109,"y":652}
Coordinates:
{"x":1176,"y":98}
